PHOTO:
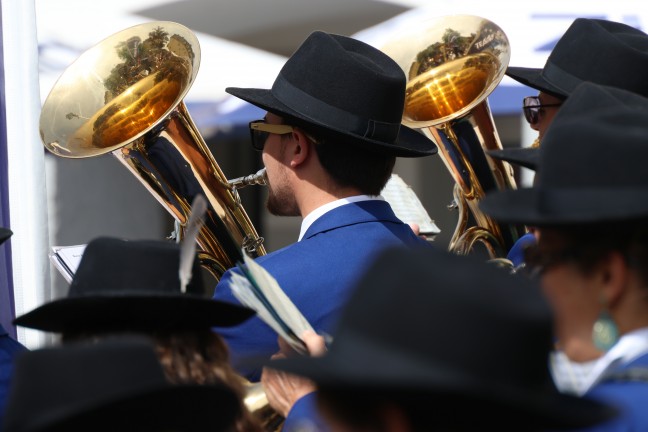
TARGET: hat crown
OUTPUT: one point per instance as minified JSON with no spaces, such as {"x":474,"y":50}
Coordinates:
{"x":348,"y":91}
{"x":346,"y":74}
{"x":112,"y":266}
{"x":591,"y":165}
{"x":445,"y":310}
{"x":600,"y":51}
{"x":114,"y":384}
{"x":52,"y":383}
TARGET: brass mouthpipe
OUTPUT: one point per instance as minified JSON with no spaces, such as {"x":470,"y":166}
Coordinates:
{"x":258,"y":178}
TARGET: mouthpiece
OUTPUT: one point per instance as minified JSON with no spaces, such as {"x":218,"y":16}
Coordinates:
{"x":259,"y":178}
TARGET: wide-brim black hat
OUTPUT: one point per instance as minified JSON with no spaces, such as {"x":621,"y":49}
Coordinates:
{"x":346,"y":88}
{"x":526,"y":157}
{"x":591,"y":165}
{"x":133,"y":285}
{"x":448,"y":325}
{"x":5,"y":234}
{"x":600,"y":51}
{"x":117,"y":384}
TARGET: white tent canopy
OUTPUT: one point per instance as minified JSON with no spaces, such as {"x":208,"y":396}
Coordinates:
{"x":533,"y":28}
{"x":67,"y":28}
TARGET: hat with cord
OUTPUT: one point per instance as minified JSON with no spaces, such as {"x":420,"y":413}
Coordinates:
{"x":133,"y":285}
{"x":345,"y":88}
{"x":455,"y":331}
{"x":600,"y":51}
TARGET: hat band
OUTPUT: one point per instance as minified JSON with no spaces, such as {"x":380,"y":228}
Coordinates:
{"x":328,"y":115}
{"x":554,"y":74}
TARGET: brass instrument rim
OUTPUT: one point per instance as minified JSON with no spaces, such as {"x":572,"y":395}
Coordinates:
{"x":404,"y":46}
{"x":62,"y":89}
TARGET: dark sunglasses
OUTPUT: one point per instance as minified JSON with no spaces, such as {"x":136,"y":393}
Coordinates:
{"x":531,"y":106}
{"x":260,"y":130}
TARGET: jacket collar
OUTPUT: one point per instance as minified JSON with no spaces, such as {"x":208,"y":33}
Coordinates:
{"x":351,"y":214}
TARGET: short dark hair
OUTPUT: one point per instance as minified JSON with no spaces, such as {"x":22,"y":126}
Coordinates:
{"x":352,"y":166}
{"x":348,"y":164}
{"x":591,"y":243}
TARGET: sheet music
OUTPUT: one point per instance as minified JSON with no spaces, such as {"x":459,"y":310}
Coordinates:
{"x":407,"y":206}
{"x":66,"y":259}
{"x":258,"y":290}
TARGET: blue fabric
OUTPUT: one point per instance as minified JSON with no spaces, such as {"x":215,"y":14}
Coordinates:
{"x":630,"y":397}
{"x":304,"y":416}
{"x":318,"y":273}
{"x":6,"y":274}
{"x":9,"y":348}
{"x":516,"y":254}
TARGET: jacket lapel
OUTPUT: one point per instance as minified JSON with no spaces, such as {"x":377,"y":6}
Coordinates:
{"x":351,"y":214}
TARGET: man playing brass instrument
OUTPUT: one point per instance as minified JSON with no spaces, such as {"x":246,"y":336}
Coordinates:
{"x":329,"y":142}
{"x":591,"y":50}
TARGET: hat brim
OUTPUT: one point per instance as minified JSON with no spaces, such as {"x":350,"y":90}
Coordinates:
{"x":536,"y":207}
{"x":526,"y":157}
{"x":133,"y":312}
{"x":410,"y":143}
{"x":532,"y":77}
{"x":5,"y":234}
{"x":172,"y":407}
{"x":387,"y":370}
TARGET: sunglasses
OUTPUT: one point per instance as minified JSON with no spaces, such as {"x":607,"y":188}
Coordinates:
{"x":260,"y":130}
{"x":531,"y":106}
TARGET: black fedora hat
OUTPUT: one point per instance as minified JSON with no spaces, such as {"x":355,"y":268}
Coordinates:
{"x":526,"y":157}
{"x":452,"y":327}
{"x":591,"y":165}
{"x":116,"y":384}
{"x":347,"y":88}
{"x":4,"y":234}
{"x":600,"y":51}
{"x":132,"y":285}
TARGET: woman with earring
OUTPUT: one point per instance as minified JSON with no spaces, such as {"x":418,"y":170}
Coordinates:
{"x":590,"y":205}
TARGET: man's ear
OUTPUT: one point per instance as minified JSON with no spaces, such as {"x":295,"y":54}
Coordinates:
{"x":302,"y":148}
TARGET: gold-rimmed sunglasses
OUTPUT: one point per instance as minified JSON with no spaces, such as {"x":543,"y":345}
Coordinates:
{"x":260,"y":130}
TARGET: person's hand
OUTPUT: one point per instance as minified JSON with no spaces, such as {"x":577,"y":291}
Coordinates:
{"x":315,"y":343}
{"x":283,"y":389}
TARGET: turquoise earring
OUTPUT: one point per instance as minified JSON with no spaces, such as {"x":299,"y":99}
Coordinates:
{"x":605,"y":332}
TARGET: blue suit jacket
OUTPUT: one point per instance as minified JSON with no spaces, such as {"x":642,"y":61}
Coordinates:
{"x":9,"y":348}
{"x":629,"y":396}
{"x":318,"y":272}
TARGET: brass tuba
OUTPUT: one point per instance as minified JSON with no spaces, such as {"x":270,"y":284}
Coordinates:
{"x":125,"y":96}
{"x":452,"y":64}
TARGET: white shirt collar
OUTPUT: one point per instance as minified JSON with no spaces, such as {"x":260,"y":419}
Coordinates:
{"x":629,"y":347}
{"x":320,"y":211}
{"x":578,"y":378}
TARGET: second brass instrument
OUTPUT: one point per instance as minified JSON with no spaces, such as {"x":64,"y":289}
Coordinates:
{"x":452,"y":64}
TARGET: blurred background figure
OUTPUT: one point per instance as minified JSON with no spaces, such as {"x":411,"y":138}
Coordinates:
{"x":591,"y":50}
{"x":595,"y":50}
{"x":116,"y":384}
{"x":445,"y":343}
{"x":133,"y":287}
{"x":589,"y":202}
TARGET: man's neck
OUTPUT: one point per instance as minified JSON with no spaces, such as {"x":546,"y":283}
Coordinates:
{"x":313,"y":198}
